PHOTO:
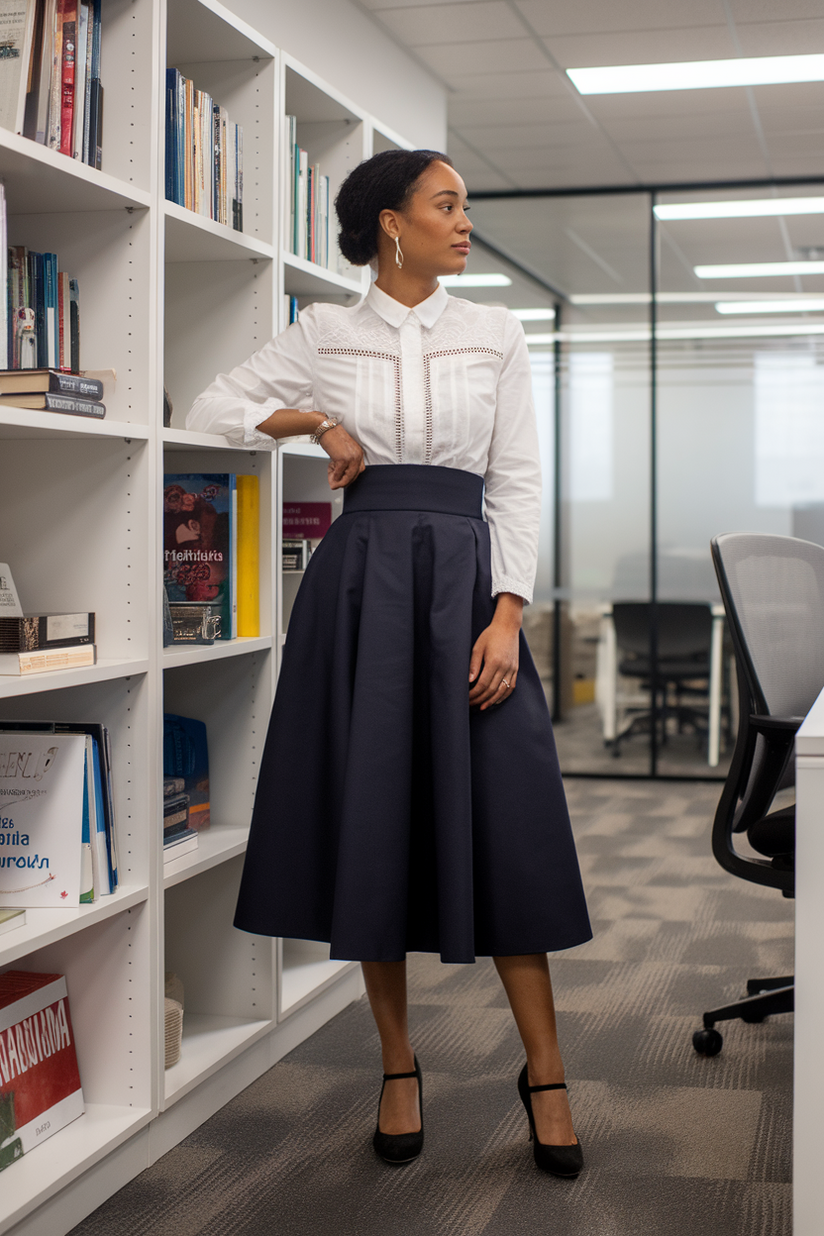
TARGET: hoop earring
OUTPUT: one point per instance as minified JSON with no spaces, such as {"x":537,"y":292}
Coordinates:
{"x":398,"y":253}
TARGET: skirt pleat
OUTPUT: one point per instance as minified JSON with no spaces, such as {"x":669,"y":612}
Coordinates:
{"x":389,"y":816}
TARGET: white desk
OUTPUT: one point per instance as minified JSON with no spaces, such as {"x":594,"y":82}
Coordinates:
{"x":611,"y":701}
{"x":808,"y":1131}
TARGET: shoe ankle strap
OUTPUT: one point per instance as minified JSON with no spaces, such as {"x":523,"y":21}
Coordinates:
{"x":397,"y":1076}
{"x":551,"y":1086}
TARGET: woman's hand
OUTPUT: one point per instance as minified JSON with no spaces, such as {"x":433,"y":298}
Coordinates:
{"x":345,"y":457}
{"x":493,"y":667}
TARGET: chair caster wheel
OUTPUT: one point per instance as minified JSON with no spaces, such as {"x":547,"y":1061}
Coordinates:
{"x":707,"y":1042}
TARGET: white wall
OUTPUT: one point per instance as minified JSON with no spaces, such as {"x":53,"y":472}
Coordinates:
{"x":340,"y":43}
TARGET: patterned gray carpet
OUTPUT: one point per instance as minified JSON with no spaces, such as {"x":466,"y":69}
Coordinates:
{"x":676,"y":1145}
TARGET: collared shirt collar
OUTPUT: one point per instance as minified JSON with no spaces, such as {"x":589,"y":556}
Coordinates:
{"x":393,"y":312}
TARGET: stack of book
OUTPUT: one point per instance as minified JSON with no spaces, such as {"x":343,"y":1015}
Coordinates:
{"x":204,"y":154}
{"x":49,"y":390}
{"x":41,"y":306}
{"x":58,"y":847}
{"x":50,"y":87}
{"x":308,"y":203}
{"x":211,"y":555}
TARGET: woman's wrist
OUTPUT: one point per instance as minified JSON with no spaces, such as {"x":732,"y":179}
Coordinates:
{"x":509,"y":610}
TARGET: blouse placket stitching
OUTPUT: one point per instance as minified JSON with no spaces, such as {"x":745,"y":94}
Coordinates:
{"x":396,"y":362}
{"x":427,"y":360}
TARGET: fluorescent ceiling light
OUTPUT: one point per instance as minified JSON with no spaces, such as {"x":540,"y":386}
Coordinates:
{"x":531,"y":340}
{"x":769,"y":306}
{"x":752,"y":270}
{"x":535,"y":315}
{"x":475,"y":281}
{"x":672,"y":298}
{"x":754,"y":208}
{"x":698,"y":74}
{"x":698,"y":330}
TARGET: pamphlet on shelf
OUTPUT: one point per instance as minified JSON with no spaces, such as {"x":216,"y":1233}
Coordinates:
{"x":33,"y":632}
{"x":199,"y":542}
{"x":74,"y":656}
{"x":10,"y":606}
{"x":40,"y":1091}
{"x":42,"y":780}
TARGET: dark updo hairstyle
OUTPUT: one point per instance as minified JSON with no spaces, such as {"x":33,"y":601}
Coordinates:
{"x":384,"y":182}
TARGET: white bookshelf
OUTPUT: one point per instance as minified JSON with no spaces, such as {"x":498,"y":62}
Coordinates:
{"x":167,"y":298}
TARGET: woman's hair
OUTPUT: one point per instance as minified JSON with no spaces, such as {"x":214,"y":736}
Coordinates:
{"x":384,"y":182}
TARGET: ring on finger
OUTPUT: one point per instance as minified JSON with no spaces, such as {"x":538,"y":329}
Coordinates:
{"x":503,"y":683}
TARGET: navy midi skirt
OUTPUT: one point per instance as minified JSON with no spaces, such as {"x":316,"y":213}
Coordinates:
{"x":389,"y":816}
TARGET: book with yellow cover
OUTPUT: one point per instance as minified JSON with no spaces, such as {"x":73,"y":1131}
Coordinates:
{"x":248,"y":555}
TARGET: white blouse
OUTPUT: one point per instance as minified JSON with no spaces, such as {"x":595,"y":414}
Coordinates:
{"x":446,"y":383}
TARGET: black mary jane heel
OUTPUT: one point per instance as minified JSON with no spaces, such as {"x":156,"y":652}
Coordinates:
{"x":397,"y":1148}
{"x":566,"y":1161}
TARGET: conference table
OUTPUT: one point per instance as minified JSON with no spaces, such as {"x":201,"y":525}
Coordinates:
{"x":808,"y":1107}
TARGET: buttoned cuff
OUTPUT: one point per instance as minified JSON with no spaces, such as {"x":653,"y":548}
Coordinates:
{"x":506,"y":583}
{"x":255,"y":415}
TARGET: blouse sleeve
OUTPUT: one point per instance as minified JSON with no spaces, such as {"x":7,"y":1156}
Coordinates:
{"x":280,"y":375}
{"x":513,"y":476}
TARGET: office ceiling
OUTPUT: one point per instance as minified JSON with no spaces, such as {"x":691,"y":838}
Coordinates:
{"x":515,"y":120}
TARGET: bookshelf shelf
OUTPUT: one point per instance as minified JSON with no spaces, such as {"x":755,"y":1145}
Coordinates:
{"x":185,"y":440}
{"x":218,"y":844}
{"x":209,"y":1042}
{"x":32,"y":684}
{"x":26,"y":423}
{"x":38,"y":178}
{"x":306,"y":970}
{"x":193,"y":238}
{"x":215,"y":652}
{"x":44,"y":927}
{"x":200,"y":31}
{"x":302,"y":278}
{"x":83,"y":1143}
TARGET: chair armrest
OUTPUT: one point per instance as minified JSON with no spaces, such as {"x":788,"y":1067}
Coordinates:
{"x":777,"y":724}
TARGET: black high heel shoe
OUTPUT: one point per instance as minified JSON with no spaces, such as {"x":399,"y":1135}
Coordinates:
{"x":400,"y":1147}
{"x":559,"y":1160}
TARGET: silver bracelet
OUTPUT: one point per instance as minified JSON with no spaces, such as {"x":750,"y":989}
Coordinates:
{"x":328,"y":423}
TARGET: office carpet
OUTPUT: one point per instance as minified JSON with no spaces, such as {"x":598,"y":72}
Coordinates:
{"x":675,"y":1144}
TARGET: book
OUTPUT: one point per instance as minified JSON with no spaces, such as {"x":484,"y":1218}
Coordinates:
{"x":198,"y":532}
{"x":40,"y":1090}
{"x":67,"y":75}
{"x":203,"y":159}
{"x":248,"y":555}
{"x":9,"y":919}
{"x":306,"y":519}
{"x":47,"y":402}
{"x":10,"y":606}
{"x":37,"y":631}
{"x":308,"y":202}
{"x":186,"y":759}
{"x":101,"y":794}
{"x":180,"y":844}
{"x":17,"y":22}
{"x":74,"y":656}
{"x":34,"y":381}
{"x":42,"y":782}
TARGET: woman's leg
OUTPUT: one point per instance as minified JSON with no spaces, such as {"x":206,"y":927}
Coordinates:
{"x":386,"y":989}
{"x":529,"y":991}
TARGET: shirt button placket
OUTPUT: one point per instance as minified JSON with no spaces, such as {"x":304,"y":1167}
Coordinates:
{"x":413,"y":396}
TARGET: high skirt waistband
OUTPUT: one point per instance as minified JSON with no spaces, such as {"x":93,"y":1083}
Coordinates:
{"x":415,"y":487}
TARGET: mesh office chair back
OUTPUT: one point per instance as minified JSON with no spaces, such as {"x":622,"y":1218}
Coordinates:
{"x":775,"y":588}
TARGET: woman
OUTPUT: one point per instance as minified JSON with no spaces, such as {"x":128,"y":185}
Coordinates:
{"x":429,"y":814}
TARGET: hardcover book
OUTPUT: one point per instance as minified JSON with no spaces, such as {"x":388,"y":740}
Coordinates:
{"x":36,"y":631}
{"x":34,"y":381}
{"x":42,"y":780}
{"x":198,"y":531}
{"x":40,"y":1091}
{"x":47,"y":402}
{"x":186,"y":759}
{"x":73,"y":656}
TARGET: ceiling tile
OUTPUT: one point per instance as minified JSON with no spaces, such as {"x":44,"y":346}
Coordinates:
{"x":706,"y":103}
{"x":378,"y":6}
{"x":673,"y":128}
{"x":782,"y":38}
{"x":677,"y":170}
{"x":804,"y":144}
{"x":692,"y":150}
{"x":530,"y":136}
{"x":472,"y":112}
{"x":453,"y":23}
{"x":596,"y":16}
{"x":792,"y":94}
{"x":643,"y":47}
{"x":765,"y":10}
{"x":494,"y":56}
{"x":546,"y":83}
{"x":486,"y":182}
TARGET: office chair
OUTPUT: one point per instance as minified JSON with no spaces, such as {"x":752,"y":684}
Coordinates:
{"x":773,"y":593}
{"x":684,"y":639}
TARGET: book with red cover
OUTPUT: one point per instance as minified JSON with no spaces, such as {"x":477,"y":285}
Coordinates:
{"x":40,"y":1090}
{"x":306,"y":519}
{"x":67,"y":69}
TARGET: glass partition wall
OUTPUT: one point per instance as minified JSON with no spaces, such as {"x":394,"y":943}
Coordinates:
{"x":680,"y":394}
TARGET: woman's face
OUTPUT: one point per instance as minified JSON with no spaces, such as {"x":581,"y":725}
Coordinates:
{"x":434,"y":227}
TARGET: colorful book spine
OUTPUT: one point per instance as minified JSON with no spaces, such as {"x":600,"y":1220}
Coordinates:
{"x":198,"y":532}
{"x":248,"y":555}
{"x":204,"y":153}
